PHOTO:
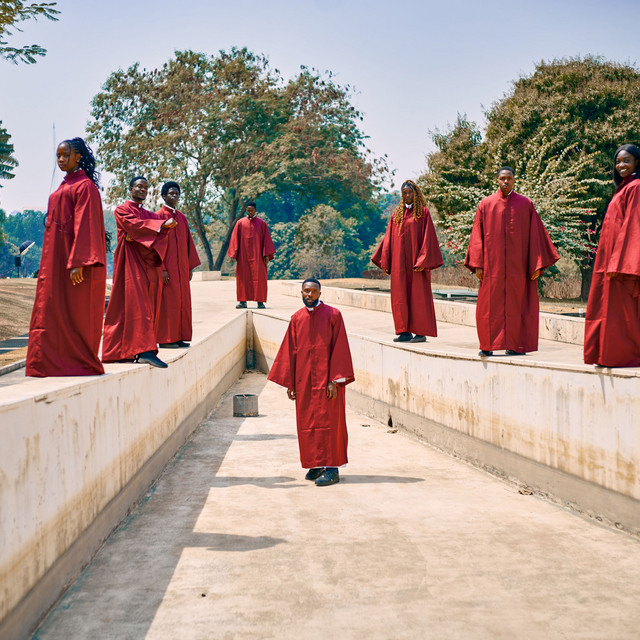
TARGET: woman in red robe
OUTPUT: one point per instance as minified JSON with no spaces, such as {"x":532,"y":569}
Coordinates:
{"x":66,"y":322}
{"x":314,"y":364}
{"x":132,"y":314}
{"x":174,"y":321}
{"x":612,"y":327}
{"x":252,"y":247}
{"x":408,"y":252}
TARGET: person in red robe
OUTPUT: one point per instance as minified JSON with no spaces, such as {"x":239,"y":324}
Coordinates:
{"x":252,"y":248}
{"x":66,"y":321}
{"x":612,"y":326}
{"x":131,"y":320}
{"x":408,"y":252}
{"x":314,"y":364}
{"x":508,"y":250}
{"x":174,"y":320}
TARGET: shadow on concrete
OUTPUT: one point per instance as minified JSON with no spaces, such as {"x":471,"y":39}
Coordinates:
{"x":274,"y":482}
{"x":229,"y":542}
{"x":265,"y":436}
{"x":378,"y":479}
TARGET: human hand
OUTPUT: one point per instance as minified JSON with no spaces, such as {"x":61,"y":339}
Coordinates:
{"x":479,"y":274}
{"x":169,"y":224}
{"x":332,"y":390}
{"x":265,"y":259}
{"x":291,"y":394}
{"x":76,"y":275}
{"x":418,"y":269}
{"x":128,"y":238}
{"x":536,"y":274}
{"x":165,"y":277}
{"x":613,"y":274}
{"x":190,"y":275}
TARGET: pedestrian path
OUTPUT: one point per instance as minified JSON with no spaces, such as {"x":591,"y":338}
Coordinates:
{"x":233,"y":543}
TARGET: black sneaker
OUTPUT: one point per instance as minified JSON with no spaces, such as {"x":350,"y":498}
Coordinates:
{"x":149,"y":357}
{"x":511,"y":352}
{"x":261,"y":305}
{"x":485,"y":354}
{"x":418,"y":338}
{"x":241,"y":305}
{"x":329,"y":476}
{"x":405,"y":336}
{"x":314,"y":473}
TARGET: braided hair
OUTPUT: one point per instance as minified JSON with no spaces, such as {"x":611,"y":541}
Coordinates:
{"x":87,"y":159}
{"x":419,"y":203}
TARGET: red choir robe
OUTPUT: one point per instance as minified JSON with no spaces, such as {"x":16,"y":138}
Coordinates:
{"x":314,"y":352}
{"x":612,"y":327}
{"x":510,"y":243}
{"x":250,"y":243}
{"x":413,"y":244}
{"x":174,"y":321}
{"x":66,"y":322}
{"x":131,"y":320}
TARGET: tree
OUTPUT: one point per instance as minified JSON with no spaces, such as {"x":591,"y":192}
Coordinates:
{"x":7,"y":161}
{"x":18,"y":227}
{"x":229,"y":129}
{"x":13,"y":12}
{"x":559,"y":129}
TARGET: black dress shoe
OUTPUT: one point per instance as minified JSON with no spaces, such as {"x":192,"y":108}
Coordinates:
{"x":485,"y":354}
{"x":418,"y":338}
{"x":182,"y":344}
{"x":405,"y":336}
{"x":511,"y":352}
{"x":148,"y":357}
{"x":329,"y":476}
{"x":241,"y":305}
{"x":314,"y":473}
{"x":169,"y":345}
{"x":261,"y":305}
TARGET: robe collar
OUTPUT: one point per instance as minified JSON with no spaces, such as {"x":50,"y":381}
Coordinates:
{"x":508,"y":194}
{"x":76,"y":175}
{"x":166,"y":206}
{"x":627,"y":180}
{"x":135,"y":204}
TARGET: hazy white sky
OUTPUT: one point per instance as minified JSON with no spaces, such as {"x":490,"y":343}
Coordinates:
{"x":414,"y":65}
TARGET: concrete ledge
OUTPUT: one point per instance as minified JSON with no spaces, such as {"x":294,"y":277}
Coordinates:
{"x":78,"y":453}
{"x":206,"y":276}
{"x":552,"y":326}
{"x":566,"y":431}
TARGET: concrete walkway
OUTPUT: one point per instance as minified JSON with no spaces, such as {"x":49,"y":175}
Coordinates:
{"x":232,"y":543}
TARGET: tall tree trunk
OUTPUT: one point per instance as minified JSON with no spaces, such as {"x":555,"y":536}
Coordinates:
{"x":234,"y":216}
{"x":202,"y":235}
{"x":586,"y":273}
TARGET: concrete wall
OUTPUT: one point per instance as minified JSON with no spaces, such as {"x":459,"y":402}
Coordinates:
{"x":552,"y":326}
{"x":570,"y":432}
{"x":77,"y":453}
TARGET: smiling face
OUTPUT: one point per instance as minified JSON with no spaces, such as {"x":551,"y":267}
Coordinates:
{"x":506,"y":182}
{"x":68,"y":159}
{"x":626,"y":164}
{"x":172,"y":196}
{"x":139,"y":190}
{"x":310,"y":293}
{"x":251,"y":211}
{"x":408,"y":195}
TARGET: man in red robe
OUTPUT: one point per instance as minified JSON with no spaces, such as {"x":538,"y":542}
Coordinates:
{"x":132,"y":314}
{"x":66,"y":322}
{"x":174,"y":321}
{"x":408,"y":252}
{"x":314,"y":364}
{"x":508,"y":250}
{"x":252,"y":247}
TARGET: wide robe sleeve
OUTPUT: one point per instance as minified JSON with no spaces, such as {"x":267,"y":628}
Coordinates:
{"x":145,"y":231}
{"x":192,"y":253}
{"x":88,"y":246}
{"x":382,"y":257}
{"x":625,"y":254}
{"x":340,"y":364}
{"x":283,"y":370}
{"x":234,"y":243}
{"x":430,"y":256}
{"x":268,"y":250}
{"x":475,"y":253}
{"x":542,"y":253}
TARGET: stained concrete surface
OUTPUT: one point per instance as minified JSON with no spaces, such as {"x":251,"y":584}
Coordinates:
{"x":232,"y":542}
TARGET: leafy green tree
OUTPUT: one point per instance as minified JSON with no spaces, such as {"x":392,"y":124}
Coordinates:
{"x":284,"y":266}
{"x":18,"y":227}
{"x":7,"y":162}
{"x":559,"y":129}
{"x":229,"y":129}
{"x":13,"y":12}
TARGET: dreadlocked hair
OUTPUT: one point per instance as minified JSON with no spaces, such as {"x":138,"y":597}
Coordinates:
{"x":419,"y":203}
{"x":87,"y":159}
